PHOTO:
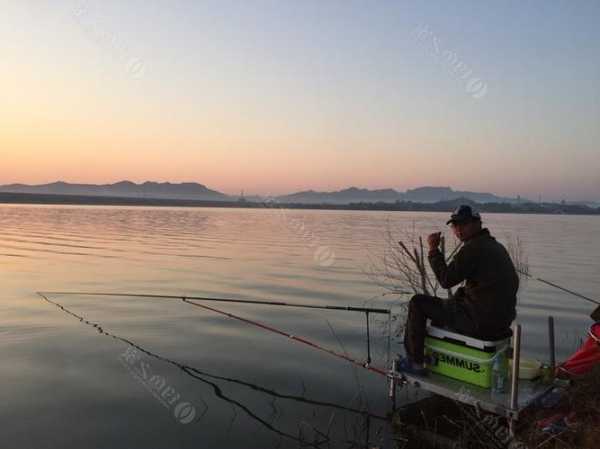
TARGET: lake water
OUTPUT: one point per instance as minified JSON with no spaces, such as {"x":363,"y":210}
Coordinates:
{"x":117,"y":372}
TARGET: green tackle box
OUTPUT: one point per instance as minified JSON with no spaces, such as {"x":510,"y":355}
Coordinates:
{"x":462,"y":357}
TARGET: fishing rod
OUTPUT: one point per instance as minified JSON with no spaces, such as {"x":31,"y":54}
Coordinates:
{"x":191,"y":300}
{"x":552,"y":284}
{"x":235,"y":301}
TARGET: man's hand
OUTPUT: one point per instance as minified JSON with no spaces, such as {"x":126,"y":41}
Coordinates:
{"x":434,"y":240}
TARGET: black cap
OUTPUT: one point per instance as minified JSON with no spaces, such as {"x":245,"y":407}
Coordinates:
{"x":464,"y":214}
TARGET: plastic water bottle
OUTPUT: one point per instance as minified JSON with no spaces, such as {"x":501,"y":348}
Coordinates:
{"x":499,"y":373}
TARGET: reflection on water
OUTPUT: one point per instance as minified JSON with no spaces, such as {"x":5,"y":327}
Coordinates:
{"x":64,"y":384}
{"x":315,"y":434}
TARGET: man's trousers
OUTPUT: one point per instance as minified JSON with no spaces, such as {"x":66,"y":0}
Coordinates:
{"x":449,"y":313}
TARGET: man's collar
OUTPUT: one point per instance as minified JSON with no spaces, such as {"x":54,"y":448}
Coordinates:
{"x":484,"y":232}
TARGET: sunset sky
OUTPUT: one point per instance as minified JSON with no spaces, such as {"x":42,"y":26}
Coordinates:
{"x":278,"y":96}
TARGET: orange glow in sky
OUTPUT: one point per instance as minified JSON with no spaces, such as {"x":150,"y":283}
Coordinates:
{"x":281,"y":100}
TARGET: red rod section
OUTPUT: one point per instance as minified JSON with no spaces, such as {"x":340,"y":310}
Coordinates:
{"x":290,"y":336}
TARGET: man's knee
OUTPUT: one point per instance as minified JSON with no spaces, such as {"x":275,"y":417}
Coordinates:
{"x":429,"y":307}
{"x":417,"y":304}
{"x":419,"y":297}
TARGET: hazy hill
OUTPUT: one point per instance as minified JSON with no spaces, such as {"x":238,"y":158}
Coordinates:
{"x":351,"y":195}
{"x":435,"y":194}
{"x":419,"y":195}
{"x":187,"y":190}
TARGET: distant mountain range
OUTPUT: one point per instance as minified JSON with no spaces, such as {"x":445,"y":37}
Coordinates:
{"x":199,"y":192}
{"x":124,"y":189}
{"x":419,"y":195}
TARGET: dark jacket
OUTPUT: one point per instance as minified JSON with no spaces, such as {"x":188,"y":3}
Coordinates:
{"x":490,"y":291}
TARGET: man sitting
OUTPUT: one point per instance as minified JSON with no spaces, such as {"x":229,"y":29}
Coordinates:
{"x":484,"y":308}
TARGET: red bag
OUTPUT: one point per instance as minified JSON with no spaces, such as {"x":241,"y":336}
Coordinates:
{"x":586,"y":357}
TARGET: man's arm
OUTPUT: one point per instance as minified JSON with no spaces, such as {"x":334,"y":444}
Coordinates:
{"x":456,"y":271}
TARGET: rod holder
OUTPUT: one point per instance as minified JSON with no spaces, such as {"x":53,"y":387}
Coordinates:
{"x":392,"y":383}
{"x":514,"y":389}
{"x":552,"y":344}
{"x":368,"y":340}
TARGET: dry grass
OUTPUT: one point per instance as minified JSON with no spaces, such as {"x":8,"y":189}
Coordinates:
{"x":582,"y":402}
